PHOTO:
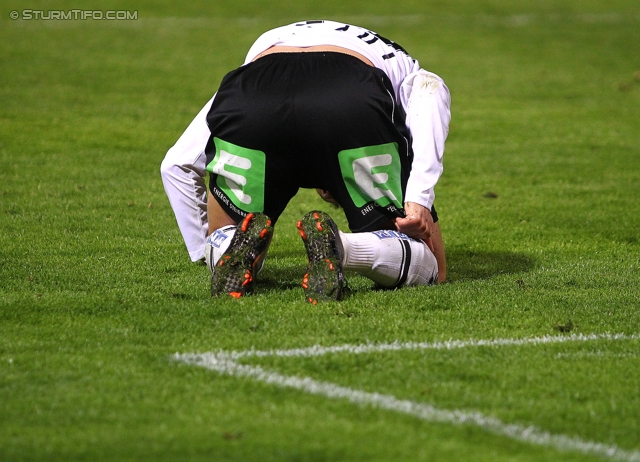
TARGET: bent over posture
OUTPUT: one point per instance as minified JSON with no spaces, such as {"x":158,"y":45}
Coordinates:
{"x":324,"y":105}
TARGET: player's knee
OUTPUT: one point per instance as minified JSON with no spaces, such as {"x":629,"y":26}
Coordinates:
{"x":411,"y":264}
{"x":423,"y":269}
{"x":390,"y":259}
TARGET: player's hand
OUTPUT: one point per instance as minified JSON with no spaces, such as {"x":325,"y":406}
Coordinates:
{"x":416,"y":223}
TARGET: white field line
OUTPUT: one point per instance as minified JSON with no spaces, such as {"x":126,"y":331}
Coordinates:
{"x":318,"y":350}
{"x":226,"y":363}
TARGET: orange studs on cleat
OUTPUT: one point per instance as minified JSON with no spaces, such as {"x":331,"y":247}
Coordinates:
{"x":247,"y":220}
{"x":324,"y":280}
{"x":235,"y":272}
{"x":303,"y":235}
{"x":248,"y":279}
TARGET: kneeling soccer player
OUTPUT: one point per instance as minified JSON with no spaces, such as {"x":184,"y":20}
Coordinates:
{"x":324,"y":105}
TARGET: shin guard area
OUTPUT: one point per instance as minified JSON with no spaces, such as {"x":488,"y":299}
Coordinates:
{"x":389,"y":258}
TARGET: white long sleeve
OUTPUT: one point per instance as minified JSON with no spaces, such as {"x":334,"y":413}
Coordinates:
{"x":183,"y":175}
{"x":427,"y":102}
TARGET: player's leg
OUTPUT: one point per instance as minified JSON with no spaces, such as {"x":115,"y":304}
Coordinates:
{"x":234,"y":271}
{"x":235,"y":253}
{"x":251,"y":177}
{"x":324,"y":278}
{"x":436,"y":245}
{"x":369,"y":183}
{"x":389,"y":258}
{"x":222,"y":228}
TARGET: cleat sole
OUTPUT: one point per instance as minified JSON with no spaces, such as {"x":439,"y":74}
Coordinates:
{"x":234,"y":272}
{"x":324,"y":280}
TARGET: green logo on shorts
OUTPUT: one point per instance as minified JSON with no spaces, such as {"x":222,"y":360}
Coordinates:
{"x":372,"y":173}
{"x":240,"y":174}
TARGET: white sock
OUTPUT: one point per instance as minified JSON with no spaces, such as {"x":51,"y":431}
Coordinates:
{"x":217,"y":243}
{"x":389,"y":258}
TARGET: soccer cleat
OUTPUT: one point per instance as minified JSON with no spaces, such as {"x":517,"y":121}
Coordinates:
{"x":324,"y":279}
{"x":233,"y":274}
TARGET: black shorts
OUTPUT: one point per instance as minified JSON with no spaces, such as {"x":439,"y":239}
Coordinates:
{"x":309,"y":120}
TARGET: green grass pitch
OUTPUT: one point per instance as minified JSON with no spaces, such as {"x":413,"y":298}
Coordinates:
{"x":540,"y":213}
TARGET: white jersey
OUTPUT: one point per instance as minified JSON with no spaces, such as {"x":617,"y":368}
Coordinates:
{"x":422,"y":94}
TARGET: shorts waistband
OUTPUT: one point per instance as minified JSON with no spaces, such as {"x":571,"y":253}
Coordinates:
{"x":309,"y":56}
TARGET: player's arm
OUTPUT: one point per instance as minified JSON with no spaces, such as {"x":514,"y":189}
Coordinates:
{"x":183,"y":175}
{"x":427,"y":102}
